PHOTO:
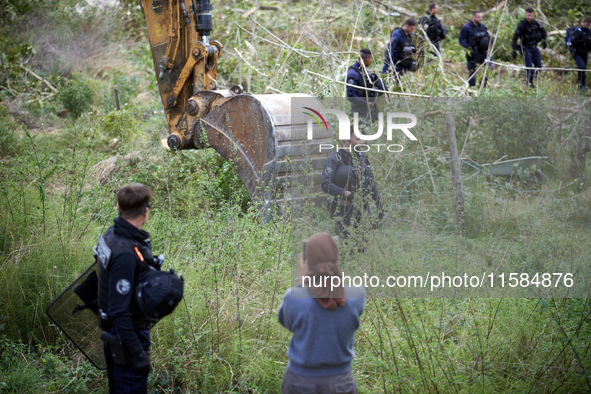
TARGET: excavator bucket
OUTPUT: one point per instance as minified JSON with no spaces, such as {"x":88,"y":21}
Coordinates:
{"x":267,"y":145}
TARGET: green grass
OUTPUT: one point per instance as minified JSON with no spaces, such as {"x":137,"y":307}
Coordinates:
{"x":58,"y":178}
{"x":225,"y":337}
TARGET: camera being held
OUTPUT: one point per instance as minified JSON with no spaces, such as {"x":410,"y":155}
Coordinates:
{"x":401,"y":50}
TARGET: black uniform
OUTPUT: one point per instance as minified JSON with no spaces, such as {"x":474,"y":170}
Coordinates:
{"x":581,"y":46}
{"x":529,"y":34}
{"x":399,"y":52}
{"x":119,"y":255}
{"x":363,"y":101}
{"x":360,"y":180}
{"x":475,"y":38}
{"x":436,"y":31}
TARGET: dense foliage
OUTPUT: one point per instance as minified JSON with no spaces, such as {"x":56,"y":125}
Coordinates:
{"x":59,"y":173}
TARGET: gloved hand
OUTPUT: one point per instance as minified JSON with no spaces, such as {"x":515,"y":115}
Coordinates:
{"x":514,"y":54}
{"x":141,"y":363}
{"x":544,"y":44}
{"x":380,"y":209}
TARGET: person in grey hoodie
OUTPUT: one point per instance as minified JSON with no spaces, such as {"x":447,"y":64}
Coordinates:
{"x":323,"y":320}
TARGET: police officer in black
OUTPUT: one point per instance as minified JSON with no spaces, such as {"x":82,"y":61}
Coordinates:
{"x":363,"y":101}
{"x":347,"y":176}
{"x":581,"y":46}
{"x":530,"y":32}
{"x":401,"y":49}
{"x":475,"y":38}
{"x":435,"y":30}
{"x":122,"y":253}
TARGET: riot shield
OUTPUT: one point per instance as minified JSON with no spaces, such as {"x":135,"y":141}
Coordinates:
{"x":74,"y":312}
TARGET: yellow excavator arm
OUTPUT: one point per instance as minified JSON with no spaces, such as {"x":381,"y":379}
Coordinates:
{"x":257,"y":134}
{"x":185,"y":61}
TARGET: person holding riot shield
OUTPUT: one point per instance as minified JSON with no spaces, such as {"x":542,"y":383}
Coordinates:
{"x":123,"y":252}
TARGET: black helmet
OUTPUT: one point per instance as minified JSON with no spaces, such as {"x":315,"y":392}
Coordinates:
{"x":158,"y":293}
{"x":346,"y":178}
{"x":483,"y":42}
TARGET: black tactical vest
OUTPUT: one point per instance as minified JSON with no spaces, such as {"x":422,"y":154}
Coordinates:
{"x":478,"y":33}
{"x":433,"y":28}
{"x":532,"y":33}
{"x":365,"y":81}
{"x":582,"y":43}
{"x":405,"y":48}
{"x":110,"y":245}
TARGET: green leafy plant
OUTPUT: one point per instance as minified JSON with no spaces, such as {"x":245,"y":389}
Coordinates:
{"x":76,"y":95}
{"x":120,"y":124}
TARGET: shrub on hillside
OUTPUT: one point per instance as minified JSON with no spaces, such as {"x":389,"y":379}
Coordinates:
{"x":76,"y":95}
{"x":120,"y":124}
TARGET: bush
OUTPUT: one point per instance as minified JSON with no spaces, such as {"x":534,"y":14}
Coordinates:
{"x":16,"y":375}
{"x":76,"y":95}
{"x":120,"y":125}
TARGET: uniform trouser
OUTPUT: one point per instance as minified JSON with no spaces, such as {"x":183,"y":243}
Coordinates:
{"x":437,"y":51}
{"x":472,"y":66}
{"x":581,"y":60}
{"x":122,"y":378}
{"x":398,"y":68}
{"x":296,"y":384}
{"x":351,"y":217}
{"x":532,"y":57}
{"x":367,"y":110}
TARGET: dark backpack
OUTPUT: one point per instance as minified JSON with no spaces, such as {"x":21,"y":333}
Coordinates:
{"x":157,"y":293}
{"x":569,"y":36}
